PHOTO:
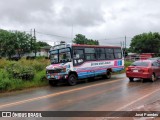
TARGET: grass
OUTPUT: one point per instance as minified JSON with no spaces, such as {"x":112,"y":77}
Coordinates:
{"x":9,"y":70}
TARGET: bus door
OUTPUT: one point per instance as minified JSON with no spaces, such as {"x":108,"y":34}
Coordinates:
{"x":78,"y":62}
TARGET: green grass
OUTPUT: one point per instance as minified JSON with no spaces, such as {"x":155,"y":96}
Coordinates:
{"x":9,"y":70}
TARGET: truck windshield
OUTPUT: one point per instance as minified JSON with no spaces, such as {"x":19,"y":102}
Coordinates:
{"x":60,"y":56}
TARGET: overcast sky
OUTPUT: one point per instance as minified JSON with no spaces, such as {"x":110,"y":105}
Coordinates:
{"x":105,"y":20}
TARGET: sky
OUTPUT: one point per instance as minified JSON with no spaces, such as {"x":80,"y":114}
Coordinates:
{"x":108,"y":21}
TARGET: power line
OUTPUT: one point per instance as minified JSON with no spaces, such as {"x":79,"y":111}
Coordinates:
{"x":111,"y":38}
{"x":52,"y":35}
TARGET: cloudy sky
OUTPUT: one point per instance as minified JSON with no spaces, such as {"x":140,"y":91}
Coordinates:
{"x":108,"y":21}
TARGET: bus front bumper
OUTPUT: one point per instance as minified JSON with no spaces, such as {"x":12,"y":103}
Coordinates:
{"x":56,"y":77}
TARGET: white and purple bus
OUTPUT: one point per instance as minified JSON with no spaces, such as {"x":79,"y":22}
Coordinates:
{"x":71,"y":62}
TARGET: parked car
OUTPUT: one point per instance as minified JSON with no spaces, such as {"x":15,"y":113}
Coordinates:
{"x":144,"y":69}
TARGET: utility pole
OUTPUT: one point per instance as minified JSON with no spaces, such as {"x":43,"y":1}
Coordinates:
{"x":72,"y":34}
{"x":31,"y":32}
{"x":123,"y":48}
{"x":121,"y":44}
{"x":34,"y":35}
{"x":35,"y":46}
{"x":31,"y":42}
{"x":125,"y":42}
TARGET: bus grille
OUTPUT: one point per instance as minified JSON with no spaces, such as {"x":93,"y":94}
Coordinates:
{"x":54,"y":71}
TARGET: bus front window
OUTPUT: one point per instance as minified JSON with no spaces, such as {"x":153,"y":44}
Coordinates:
{"x":60,"y":56}
{"x":64,"y":57}
{"x":54,"y":57}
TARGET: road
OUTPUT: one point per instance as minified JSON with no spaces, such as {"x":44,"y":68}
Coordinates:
{"x":115,"y":94}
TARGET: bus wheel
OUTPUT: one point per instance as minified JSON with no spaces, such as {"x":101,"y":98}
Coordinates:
{"x":53,"y":83}
{"x":72,"y":80}
{"x":107,"y":75}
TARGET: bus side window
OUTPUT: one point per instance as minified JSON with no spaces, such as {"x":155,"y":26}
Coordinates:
{"x":117,"y":53}
{"x":109,"y":54}
{"x":78,"y":56}
{"x":90,"y":54}
{"x":100,"y":52}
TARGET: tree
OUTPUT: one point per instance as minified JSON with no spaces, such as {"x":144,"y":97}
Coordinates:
{"x":42,"y":44}
{"x":146,"y":43}
{"x":7,"y":43}
{"x":22,"y":42}
{"x":17,"y":43}
{"x":3,"y":34}
{"x":81,"y":39}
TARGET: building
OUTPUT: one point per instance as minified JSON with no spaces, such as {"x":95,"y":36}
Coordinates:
{"x":44,"y":51}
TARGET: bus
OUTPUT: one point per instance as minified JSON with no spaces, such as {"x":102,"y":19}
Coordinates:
{"x":72,"y":62}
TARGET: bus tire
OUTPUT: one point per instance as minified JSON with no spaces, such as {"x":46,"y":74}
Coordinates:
{"x":72,"y":80}
{"x":53,"y":83}
{"x":108,"y":74}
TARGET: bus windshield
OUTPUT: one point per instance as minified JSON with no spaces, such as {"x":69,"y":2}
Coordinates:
{"x":60,"y":56}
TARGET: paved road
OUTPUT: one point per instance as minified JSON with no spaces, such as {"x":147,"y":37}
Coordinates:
{"x":115,"y":94}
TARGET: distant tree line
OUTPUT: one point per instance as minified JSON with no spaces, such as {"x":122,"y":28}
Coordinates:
{"x":145,"y":43}
{"x":12,"y":43}
{"x":81,"y":39}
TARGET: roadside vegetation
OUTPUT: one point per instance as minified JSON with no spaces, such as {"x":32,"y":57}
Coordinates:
{"x":17,"y":75}
{"x":127,"y":63}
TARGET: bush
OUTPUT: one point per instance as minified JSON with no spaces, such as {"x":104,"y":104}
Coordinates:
{"x":30,"y":57}
{"x":38,"y":66}
{"x":17,"y":75}
{"x":4,"y":62}
{"x":40,"y":78}
{"x":16,"y":70}
{"x":5,"y":84}
{"x":127,"y":63}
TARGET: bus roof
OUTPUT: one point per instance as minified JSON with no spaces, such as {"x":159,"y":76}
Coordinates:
{"x":97,"y":46}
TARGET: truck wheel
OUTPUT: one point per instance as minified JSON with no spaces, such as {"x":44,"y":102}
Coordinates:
{"x":72,"y":80}
{"x":53,"y":83}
